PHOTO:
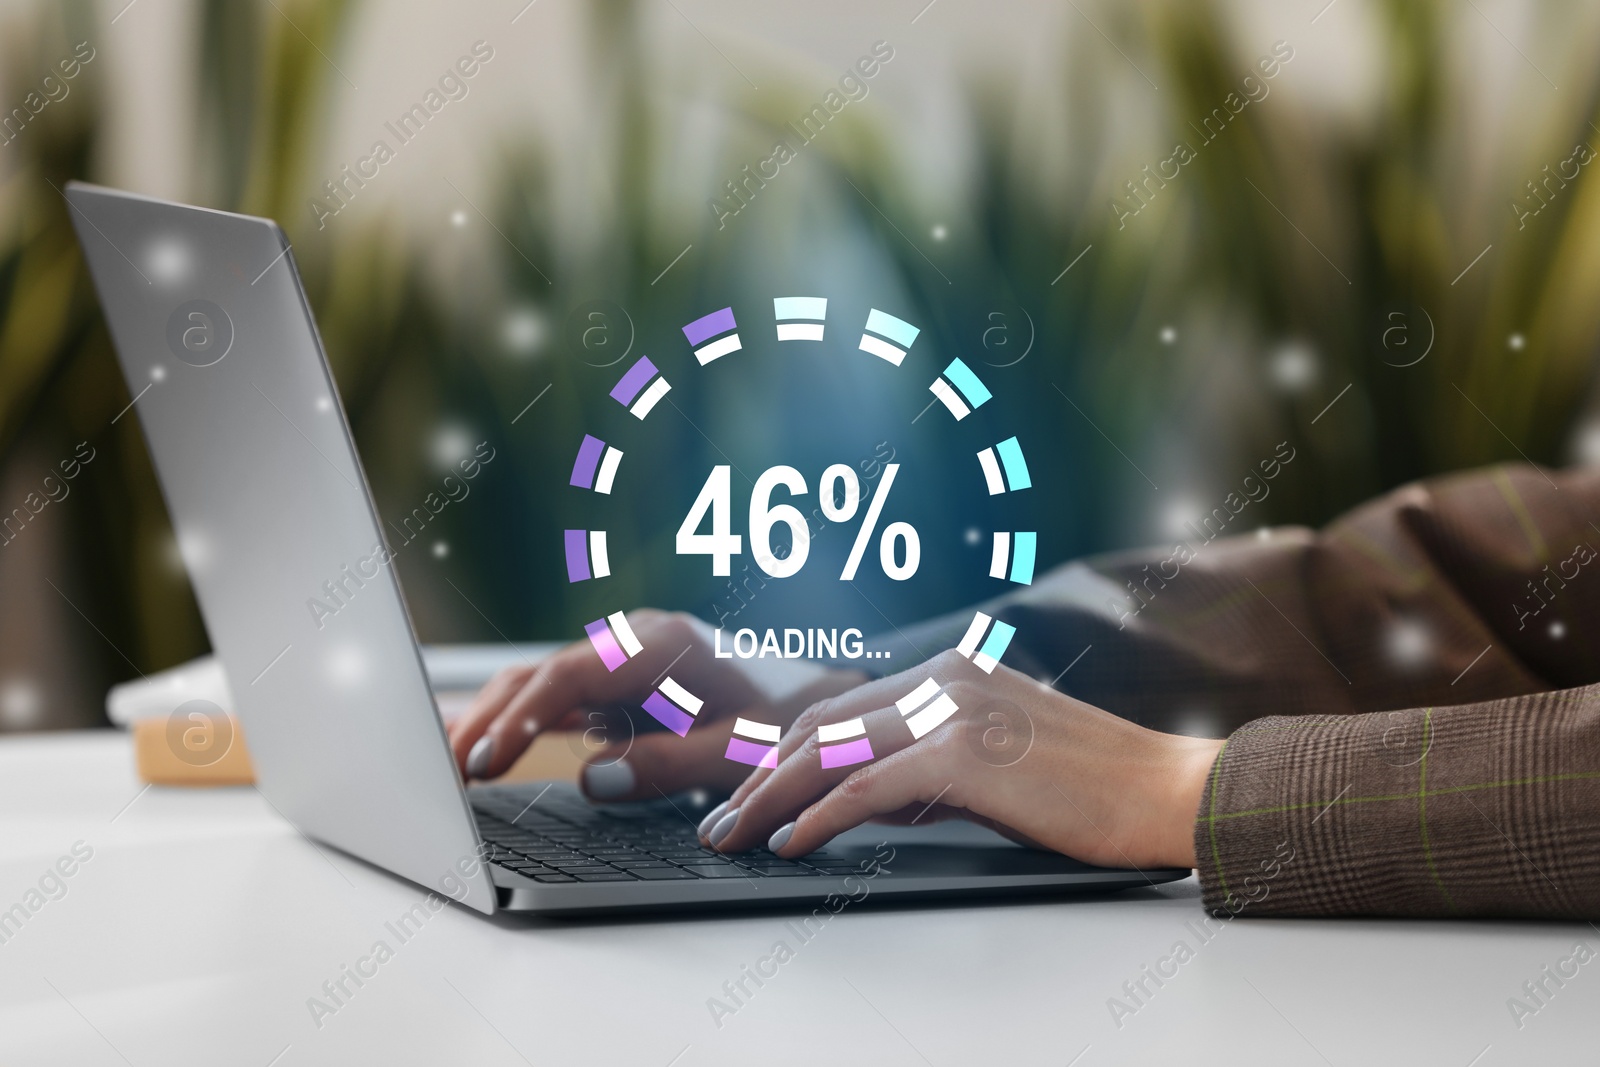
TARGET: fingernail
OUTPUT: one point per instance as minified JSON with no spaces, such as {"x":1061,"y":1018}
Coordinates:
{"x":478,"y":759}
{"x":608,"y":781}
{"x":704,"y":829}
{"x":781,"y":838}
{"x":724,"y":827}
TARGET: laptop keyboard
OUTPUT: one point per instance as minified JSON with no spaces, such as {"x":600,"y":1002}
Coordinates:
{"x":563,"y":839}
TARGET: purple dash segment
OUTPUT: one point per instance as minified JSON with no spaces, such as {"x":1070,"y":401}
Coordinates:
{"x":577,"y":555}
{"x":610,"y":652}
{"x":632,"y":382}
{"x":851,"y":752}
{"x":709,"y":326}
{"x":668,"y":714}
{"x":742,"y":751}
{"x":583,"y":467}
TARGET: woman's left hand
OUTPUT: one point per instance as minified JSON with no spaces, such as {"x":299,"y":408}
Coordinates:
{"x":1033,"y":763}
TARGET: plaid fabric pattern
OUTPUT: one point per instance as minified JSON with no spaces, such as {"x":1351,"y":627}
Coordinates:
{"x":1482,"y":809}
{"x":1433,"y":746}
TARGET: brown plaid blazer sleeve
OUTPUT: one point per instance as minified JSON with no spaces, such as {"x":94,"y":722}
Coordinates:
{"x":1432,"y":739}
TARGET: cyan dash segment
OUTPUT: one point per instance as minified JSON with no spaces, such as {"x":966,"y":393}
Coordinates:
{"x":1016,"y":467}
{"x":967,"y":383}
{"x":1024,"y":546}
{"x":887,"y":337}
{"x":1014,"y":553}
{"x":994,"y":647}
{"x":899,"y":331}
{"x":959,"y":390}
{"x":800,"y":307}
{"x":986,"y":658}
{"x":800,"y":318}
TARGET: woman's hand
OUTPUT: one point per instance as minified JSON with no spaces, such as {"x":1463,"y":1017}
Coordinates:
{"x":1091,"y":785}
{"x":524,"y":700}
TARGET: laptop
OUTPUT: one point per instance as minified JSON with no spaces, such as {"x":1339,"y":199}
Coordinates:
{"x":269,"y":502}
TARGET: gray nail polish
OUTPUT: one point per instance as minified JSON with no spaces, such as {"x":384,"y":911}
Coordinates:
{"x":608,"y":781}
{"x":781,"y":838}
{"x":704,"y":829}
{"x":724,"y":827}
{"x":478,"y":759}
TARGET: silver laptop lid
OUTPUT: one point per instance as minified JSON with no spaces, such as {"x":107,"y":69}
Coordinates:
{"x":273,"y":516}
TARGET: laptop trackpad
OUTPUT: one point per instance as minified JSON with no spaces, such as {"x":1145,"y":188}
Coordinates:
{"x":952,"y":847}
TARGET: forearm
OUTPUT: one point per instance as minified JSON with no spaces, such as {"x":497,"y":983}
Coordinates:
{"x":1387,"y":607}
{"x":1475,"y":810}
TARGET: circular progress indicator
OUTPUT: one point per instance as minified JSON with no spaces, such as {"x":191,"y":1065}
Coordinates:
{"x":880,"y":541}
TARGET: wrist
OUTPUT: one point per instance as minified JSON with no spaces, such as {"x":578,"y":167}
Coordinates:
{"x":1183,"y":788}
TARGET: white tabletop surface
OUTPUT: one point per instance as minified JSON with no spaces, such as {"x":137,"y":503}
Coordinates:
{"x":202,"y":923}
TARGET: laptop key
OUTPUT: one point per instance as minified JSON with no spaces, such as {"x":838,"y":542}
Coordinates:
{"x":725,"y":871}
{"x":661,"y":874}
{"x":605,"y":876}
{"x":554,"y":878}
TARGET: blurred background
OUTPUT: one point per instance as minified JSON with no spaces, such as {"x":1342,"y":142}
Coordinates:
{"x":1163,"y":259}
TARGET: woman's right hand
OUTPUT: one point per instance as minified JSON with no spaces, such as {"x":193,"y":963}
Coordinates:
{"x":563,"y":691}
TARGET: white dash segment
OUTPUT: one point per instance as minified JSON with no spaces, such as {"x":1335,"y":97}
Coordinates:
{"x":608,"y":469}
{"x":597,"y":549}
{"x":991,"y":472}
{"x":718,"y":348}
{"x":681,"y":696}
{"x":652,"y":396}
{"x":625,"y":636}
{"x":958,"y":407}
{"x":1002,"y":554}
{"x":841,"y":731}
{"x":974,"y":634}
{"x":918,"y":696}
{"x":757,"y":731}
{"x":882,"y":349}
{"x":931,"y":716}
{"x":799,"y":331}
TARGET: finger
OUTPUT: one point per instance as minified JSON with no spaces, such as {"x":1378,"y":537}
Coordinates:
{"x":465,"y":730}
{"x":917,"y":775}
{"x":801,"y":779}
{"x":576,"y":676}
{"x":657,"y":764}
{"x":569,"y":680}
{"x":857,"y":703}
{"x":908,"y":690}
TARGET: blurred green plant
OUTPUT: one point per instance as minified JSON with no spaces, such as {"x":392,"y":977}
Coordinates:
{"x":1240,"y":252}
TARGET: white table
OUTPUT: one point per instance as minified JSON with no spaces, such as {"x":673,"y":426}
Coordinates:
{"x":202,"y":924}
